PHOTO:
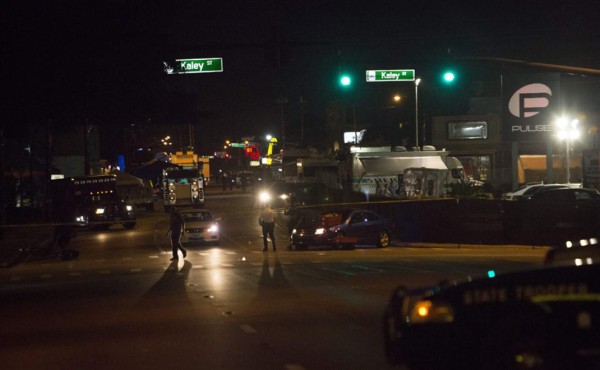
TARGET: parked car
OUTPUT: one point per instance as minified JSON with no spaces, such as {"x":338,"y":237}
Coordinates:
{"x":544,"y":318}
{"x":200,"y":226}
{"x":550,"y":216}
{"x":528,"y":190}
{"x":340,"y":229}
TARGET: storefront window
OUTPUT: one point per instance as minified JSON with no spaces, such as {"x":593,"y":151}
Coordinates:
{"x":476,"y":167}
{"x":467,"y":130}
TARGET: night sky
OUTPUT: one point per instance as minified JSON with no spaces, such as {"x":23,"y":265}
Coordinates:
{"x":69,"y":61}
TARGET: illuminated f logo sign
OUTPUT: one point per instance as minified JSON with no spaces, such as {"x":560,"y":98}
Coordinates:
{"x":529,"y":100}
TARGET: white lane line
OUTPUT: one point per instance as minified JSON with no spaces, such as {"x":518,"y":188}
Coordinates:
{"x":152,"y":256}
{"x":338,"y":271}
{"x":248,"y":329}
{"x":136,"y":270}
{"x":367,"y":268}
{"x":197,"y":267}
{"x":230,"y":252}
{"x":226,"y":265}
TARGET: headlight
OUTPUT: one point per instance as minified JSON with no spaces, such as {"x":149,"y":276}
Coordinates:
{"x":264,"y":196}
{"x":431,"y":312}
{"x":213,"y":228}
{"x":294,"y":231}
{"x":129,"y":208}
{"x":99,"y":211}
{"x":319,"y":231}
{"x":283,"y":196}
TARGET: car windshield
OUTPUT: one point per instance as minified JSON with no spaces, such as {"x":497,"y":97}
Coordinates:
{"x":201,"y":216}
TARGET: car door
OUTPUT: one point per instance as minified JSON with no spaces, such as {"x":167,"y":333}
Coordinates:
{"x":355,"y":225}
{"x":363,"y":226}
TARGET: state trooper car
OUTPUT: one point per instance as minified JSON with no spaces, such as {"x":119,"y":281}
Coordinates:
{"x":547,"y":318}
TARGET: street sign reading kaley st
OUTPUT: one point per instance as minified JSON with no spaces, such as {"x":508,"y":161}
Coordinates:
{"x":199,"y":65}
{"x":390,"y":75}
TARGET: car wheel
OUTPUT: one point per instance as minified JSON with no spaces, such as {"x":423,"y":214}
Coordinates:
{"x":383,"y":239}
{"x":129,"y":225}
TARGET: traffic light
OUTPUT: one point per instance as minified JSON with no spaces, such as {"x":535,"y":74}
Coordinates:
{"x":448,"y":76}
{"x":345,"y":80}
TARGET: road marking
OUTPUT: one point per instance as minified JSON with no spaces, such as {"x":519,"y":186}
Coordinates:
{"x":226,"y":265}
{"x":75,"y":274}
{"x":248,"y":329}
{"x":152,"y":256}
{"x":230,"y":252}
{"x":136,"y":270}
{"x":197,"y":267}
{"x":338,"y":271}
{"x":367,"y":268}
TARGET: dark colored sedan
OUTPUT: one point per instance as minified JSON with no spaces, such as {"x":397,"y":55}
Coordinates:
{"x":340,"y":229}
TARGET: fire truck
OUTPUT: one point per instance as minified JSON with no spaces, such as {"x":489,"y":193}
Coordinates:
{"x":182,"y":187}
{"x":91,"y":201}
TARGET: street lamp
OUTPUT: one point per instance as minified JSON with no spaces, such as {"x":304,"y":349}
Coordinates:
{"x":567,"y":130}
{"x":417,"y":81}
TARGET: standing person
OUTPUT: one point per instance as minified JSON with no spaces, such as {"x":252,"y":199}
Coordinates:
{"x":267,"y":221}
{"x":224,"y":179}
{"x":176,"y":228}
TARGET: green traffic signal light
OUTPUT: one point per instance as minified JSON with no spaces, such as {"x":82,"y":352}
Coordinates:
{"x":448,"y":77}
{"x":345,"y":80}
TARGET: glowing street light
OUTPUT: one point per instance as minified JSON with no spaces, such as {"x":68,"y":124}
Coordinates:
{"x":567,"y":130}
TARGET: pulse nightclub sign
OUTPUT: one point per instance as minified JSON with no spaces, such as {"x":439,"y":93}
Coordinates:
{"x":531,"y":103}
{"x":196,"y":65}
{"x":390,"y":75}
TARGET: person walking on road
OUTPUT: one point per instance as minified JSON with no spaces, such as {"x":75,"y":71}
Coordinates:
{"x":176,"y":228}
{"x":267,"y":221}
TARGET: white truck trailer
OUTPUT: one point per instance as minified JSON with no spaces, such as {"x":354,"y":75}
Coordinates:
{"x":381,"y":170}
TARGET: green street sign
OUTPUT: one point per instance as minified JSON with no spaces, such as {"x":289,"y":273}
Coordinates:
{"x":198,"y":65}
{"x":390,"y":75}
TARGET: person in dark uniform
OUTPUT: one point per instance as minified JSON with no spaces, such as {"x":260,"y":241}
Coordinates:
{"x":267,"y":221}
{"x":176,"y":228}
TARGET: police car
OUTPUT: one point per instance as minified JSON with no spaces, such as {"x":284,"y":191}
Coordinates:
{"x":547,"y":318}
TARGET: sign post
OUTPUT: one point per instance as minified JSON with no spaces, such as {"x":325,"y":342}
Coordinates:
{"x":390,"y":75}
